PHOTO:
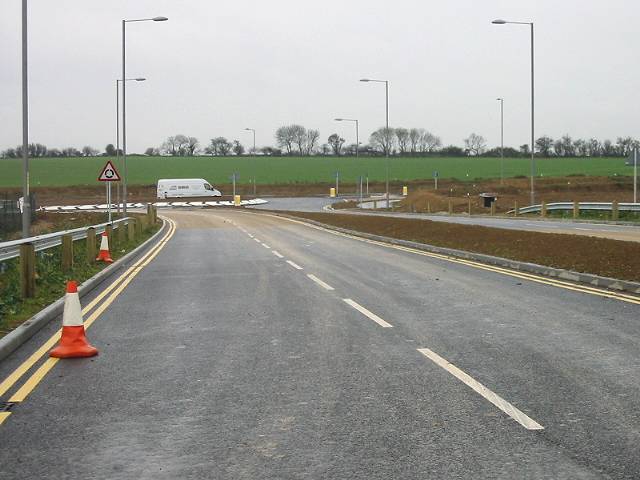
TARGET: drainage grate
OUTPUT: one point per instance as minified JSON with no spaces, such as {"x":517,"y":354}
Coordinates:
{"x":6,"y":406}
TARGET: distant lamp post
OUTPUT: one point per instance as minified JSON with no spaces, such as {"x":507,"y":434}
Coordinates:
{"x":124,"y":102}
{"x":254,"y":160}
{"x":501,"y":100}
{"x":533,"y":160}
{"x":140,"y":79}
{"x":386,"y":150}
{"x":357,"y":131}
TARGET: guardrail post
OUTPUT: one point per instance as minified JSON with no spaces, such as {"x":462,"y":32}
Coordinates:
{"x":67,"y":253}
{"x":576,"y":209}
{"x":139,"y":227}
{"x":121,"y":232}
{"x":131,"y":229}
{"x":543,"y":210}
{"x":450,"y":207}
{"x":27,"y":270}
{"x":469,"y":201}
{"x":493,"y":208}
{"x":375,"y":204}
{"x":428,"y":207}
{"x":91,"y":245}
{"x":615,"y":210}
{"x":109,"y":230}
{"x":516,"y":209}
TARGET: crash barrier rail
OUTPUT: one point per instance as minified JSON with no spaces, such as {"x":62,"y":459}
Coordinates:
{"x":577,"y":206}
{"x":129,"y":228}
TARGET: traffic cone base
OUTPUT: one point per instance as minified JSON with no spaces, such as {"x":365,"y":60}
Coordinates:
{"x":104,"y":255}
{"x":73,"y":343}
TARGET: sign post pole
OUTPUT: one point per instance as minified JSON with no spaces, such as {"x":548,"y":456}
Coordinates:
{"x":635,"y":175}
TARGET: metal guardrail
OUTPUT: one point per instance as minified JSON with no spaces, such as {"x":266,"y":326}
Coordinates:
{"x":11,"y":249}
{"x":602,"y":206}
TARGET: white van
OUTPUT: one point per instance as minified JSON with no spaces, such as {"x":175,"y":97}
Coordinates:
{"x":186,"y":187}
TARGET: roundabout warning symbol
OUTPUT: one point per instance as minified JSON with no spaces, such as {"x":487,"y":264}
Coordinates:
{"x":109,"y":173}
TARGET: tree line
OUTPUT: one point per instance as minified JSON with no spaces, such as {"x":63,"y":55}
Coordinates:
{"x":297,"y":140}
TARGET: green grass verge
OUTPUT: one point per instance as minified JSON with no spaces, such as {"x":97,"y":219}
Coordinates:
{"x":50,"y":279}
{"x":51,"y":172}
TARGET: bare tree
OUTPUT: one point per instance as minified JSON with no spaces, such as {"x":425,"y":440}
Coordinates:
{"x":286,"y":137}
{"x":219,"y":146}
{"x":238,"y":148}
{"x":88,"y":151}
{"x":191,"y":146}
{"x":544,"y":144}
{"x":414,"y":138}
{"x":383,"y":140}
{"x":402,"y":135}
{"x":171,"y":146}
{"x":475,"y":144}
{"x":429,"y":142}
{"x":299,"y":137}
{"x":336,"y":142}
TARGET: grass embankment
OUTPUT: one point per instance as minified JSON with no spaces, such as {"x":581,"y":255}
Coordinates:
{"x":604,"y":257}
{"x":142,"y":170}
{"x":50,"y":279}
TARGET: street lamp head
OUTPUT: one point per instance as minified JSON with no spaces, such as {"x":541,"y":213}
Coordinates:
{"x":499,"y":22}
{"x":365,"y":80}
{"x":140,"y":79}
{"x":159,"y":19}
{"x":338,"y":119}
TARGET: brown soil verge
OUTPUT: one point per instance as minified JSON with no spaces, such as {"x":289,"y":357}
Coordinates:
{"x":598,"y":256}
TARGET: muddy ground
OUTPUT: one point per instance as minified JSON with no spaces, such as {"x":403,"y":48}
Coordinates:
{"x":605,"y":257}
{"x":421,"y":192}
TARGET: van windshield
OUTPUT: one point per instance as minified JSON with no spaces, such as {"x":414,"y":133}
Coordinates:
{"x":208,"y":187}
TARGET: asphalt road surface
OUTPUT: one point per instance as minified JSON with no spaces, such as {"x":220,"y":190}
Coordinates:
{"x":254,"y":347}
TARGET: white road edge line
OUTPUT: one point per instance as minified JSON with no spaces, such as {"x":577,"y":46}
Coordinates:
{"x":294,"y":265}
{"x":367,"y":313}
{"x":250,"y":235}
{"x":257,"y":240}
{"x":324,"y":285}
{"x":494,"y":398}
{"x":265,"y":245}
{"x":277,"y":254}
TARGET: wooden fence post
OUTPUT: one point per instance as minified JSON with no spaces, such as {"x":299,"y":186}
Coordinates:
{"x":131,"y":229}
{"x":91,"y":245}
{"x":27,"y":270}
{"x":121,"y":233}
{"x":493,"y":208}
{"x":67,"y":253}
{"x":576,"y":209}
{"x":543,"y":210}
{"x":516,"y":209}
{"x":615,"y":210}
{"x":450,"y":207}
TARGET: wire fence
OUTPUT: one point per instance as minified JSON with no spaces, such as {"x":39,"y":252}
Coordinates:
{"x":11,"y":214}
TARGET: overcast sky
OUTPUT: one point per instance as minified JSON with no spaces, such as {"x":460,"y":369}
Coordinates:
{"x":217,"y":67}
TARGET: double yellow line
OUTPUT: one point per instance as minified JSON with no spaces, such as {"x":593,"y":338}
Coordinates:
{"x":470,"y":263}
{"x":111,"y":293}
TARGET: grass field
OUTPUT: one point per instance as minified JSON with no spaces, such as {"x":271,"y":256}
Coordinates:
{"x":51,"y":172}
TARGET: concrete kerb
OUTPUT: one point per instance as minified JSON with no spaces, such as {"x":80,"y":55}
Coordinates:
{"x":585,"y":278}
{"x":14,"y":339}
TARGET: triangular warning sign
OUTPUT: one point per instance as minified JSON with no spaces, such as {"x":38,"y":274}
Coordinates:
{"x":109,"y":173}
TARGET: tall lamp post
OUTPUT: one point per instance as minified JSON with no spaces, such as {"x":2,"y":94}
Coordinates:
{"x":26,"y":202}
{"x":118,"y":128}
{"x":124,"y":103}
{"x":386,"y":150}
{"x":254,"y":160}
{"x":357,"y":131}
{"x":501,"y":100}
{"x":533,"y":160}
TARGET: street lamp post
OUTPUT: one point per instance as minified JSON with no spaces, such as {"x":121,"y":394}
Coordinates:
{"x":124,"y":103}
{"x":501,"y":100}
{"x":357,"y":131}
{"x":533,"y":160}
{"x":386,"y":150}
{"x":254,"y":160}
{"x":26,"y":202}
{"x":118,"y":131}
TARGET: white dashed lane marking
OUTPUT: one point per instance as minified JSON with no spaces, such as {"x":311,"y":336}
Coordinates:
{"x":367,"y":313}
{"x":324,"y":285}
{"x":294,"y":265}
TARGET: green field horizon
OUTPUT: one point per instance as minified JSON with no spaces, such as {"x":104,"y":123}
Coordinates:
{"x":142,"y":170}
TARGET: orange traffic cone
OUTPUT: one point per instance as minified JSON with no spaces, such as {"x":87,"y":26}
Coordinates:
{"x":104,"y":254}
{"x":73,"y":342}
